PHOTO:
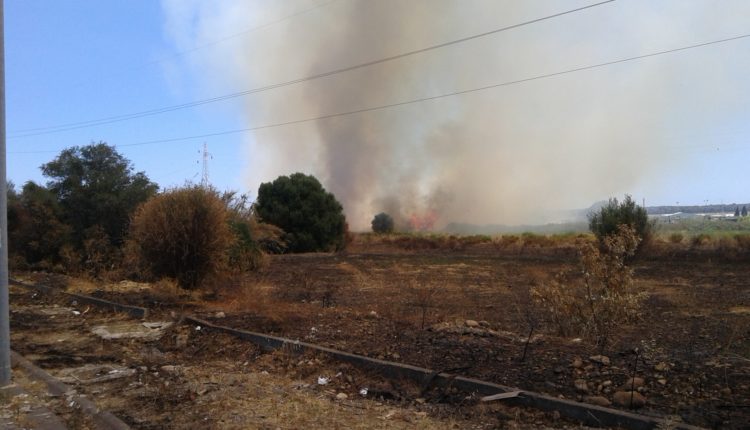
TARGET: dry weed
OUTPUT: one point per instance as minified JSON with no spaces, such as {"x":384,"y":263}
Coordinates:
{"x":601,"y":297}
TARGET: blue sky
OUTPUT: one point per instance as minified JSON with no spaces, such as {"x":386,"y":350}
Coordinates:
{"x":74,"y":61}
{"x":669,"y":129}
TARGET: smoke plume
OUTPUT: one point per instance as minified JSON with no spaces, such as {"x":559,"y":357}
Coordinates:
{"x":512,"y":154}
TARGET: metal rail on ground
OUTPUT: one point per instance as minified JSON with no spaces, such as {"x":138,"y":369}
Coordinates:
{"x":134,"y":311}
{"x":588,"y":414}
{"x":101,"y":418}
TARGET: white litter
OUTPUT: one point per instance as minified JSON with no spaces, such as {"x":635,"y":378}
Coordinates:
{"x":322,"y":380}
{"x":363,"y":392}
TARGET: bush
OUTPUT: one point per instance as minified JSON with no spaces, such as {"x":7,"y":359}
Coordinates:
{"x":298,"y":204}
{"x":603,"y":299}
{"x":676,"y":238}
{"x":743,"y":243}
{"x":98,"y":254}
{"x":36,"y":233}
{"x":610,"y":217}
{"x":382,"y":223}
{"x":245,"y":252}
{"x":700,"y":240}
{"x":182,"y":234}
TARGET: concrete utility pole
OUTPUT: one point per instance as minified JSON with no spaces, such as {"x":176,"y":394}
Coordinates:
{"x":4,"y":308}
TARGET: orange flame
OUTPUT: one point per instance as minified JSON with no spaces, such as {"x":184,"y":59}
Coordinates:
{"x":423,"y":222}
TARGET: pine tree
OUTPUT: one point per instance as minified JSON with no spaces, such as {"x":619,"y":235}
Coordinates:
{"x":737,"y":212}
{"x":744,"y":210}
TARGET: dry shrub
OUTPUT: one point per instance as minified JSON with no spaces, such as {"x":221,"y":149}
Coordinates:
{"x":601,"y":297}
{"x":421,"y":297}
{"x":70,"y":259}
{"x":182,"y":234}
{"x":726,"y":247}
{"x":166,"y":289}
{"x":412,"y":242}
{"x":262,"y":300}
{"x":743,"y":243}
{"x":700,"y":240}
{"x":475,"y":239}
{"x":100,"y":257}
{"x":535,"y":240}
{"x":506,"y":241}
{"x":303,"y":289}
{"x":676,"y":238}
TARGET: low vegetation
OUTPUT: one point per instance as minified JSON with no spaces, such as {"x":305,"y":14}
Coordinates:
{"x":599,"y":296}
{"x":382,"y":223}
{"x":97,"y":216}
{"x":607,"y":220}
{"x":183,"y":234}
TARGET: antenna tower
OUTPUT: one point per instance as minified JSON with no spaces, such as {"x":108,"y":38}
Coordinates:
{"x":206,"y":156}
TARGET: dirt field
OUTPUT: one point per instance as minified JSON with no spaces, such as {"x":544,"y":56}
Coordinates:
{"x":185,"y":377}
{"x":460,"y":309}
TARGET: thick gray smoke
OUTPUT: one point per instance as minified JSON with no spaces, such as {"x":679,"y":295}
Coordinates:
{"x":513,"y":154}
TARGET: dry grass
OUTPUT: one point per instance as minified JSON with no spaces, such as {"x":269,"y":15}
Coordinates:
{"x":252,"y":399}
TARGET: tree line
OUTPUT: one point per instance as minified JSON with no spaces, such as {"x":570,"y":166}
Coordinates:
{"x":97,"y":215}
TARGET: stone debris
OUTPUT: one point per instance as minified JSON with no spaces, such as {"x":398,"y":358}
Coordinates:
{"x":623,"y":398}
{"x":601,"y":359}
{"x":472,"y":323}
{"x":597,"y":400}
{"x":94,"y":373}
{"x":131,"y":330}
{"x":581,"y":385}
{"x":633,"y":384}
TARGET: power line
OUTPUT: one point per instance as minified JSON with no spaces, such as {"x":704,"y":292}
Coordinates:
{"x":29,"y":131}
{"x":234,"y":35}
{"x":135,"y":115}
{"x":424,"y":99}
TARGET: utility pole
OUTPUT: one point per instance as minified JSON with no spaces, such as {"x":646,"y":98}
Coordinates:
{"x":4,"y":306}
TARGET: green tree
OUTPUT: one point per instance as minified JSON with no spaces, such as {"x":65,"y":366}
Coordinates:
{"x":744,"y":211}
{"x":382,"y":223}
{"x":95,"y":185}
{"x":311,"y":217}
{"x":737,"y":212}
{"x":607,"y":221}
{"x":35,"y":230}
{"x":183,"y":234}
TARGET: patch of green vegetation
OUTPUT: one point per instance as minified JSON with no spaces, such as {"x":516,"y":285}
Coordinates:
{"x":700,"y":225}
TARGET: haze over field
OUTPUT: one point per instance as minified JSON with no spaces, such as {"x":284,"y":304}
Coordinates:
{"x":668,"y":128}
{"x":498,"y":155}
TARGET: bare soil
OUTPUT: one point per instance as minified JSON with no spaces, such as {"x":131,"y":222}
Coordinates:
{"x":192,"y":378}
{"x":691,"y":345}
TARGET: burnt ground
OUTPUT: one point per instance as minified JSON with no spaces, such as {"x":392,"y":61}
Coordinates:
{"x":691,"y":345}
{"x":189,"y":377}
